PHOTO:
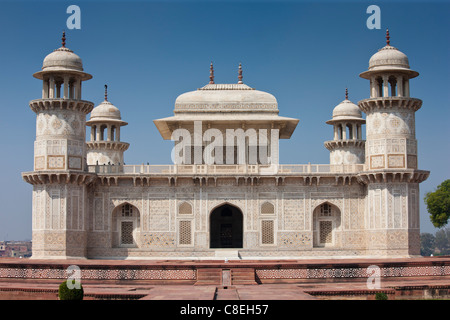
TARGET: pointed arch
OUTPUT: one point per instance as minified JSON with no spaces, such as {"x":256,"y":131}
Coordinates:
{"x":230,"y":203}
{"x":125,"y":225}
{"x":185,"y":208}
{"x":326,"y":223}
{"x":330,"y":202}
{"x":226,"y":226}
{"x":267,"y":207}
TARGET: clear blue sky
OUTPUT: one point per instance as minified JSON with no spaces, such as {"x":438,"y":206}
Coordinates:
{"x":304,"y":53}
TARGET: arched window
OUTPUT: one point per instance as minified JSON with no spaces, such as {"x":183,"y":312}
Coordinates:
{"x":125,"y":225}
{"x":349,"y":129}
{"x":326,"y":222}
{"x":325,"y":210}
{"x":93,"y":133}
{"x":393,"y":83}
{"x":127,"y":210}
{"x":102,"y":132}
{"x":58,"y":88}
{"x":379,"y":82}
{"x":185,"y":226}
{"x":267,"y":208}
{"x":113,"y":133}
{"x":185,"y":208}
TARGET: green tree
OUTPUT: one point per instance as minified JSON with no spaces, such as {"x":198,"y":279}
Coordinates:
{"x":427,"y":244}
{"x":381,"y":296}
{"x":66,"y":293}
{"x":438,"y":204}
{"x":443,"y":241}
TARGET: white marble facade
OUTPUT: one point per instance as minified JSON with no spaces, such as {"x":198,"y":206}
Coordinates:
{"x":88,"y":204}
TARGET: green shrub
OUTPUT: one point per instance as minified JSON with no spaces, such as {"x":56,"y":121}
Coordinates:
{"x":64,"y":293}
{"x":381,"y":296}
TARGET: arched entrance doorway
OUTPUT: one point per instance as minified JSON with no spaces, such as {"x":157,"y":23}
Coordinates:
{"x":226,"y":227}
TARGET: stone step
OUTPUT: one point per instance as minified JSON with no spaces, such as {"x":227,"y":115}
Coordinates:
{"x":209,"y":276}
{"x":227,"y":254}
{"x":208,"y":273}
{"x":226,"y":294}
{"x":243,"y":276}
{"x":217,"y":276}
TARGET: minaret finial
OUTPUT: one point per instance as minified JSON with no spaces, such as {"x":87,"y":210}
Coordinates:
{"x":64,"y":39}
{"x":106,"y":92}
{"x":211,"y":74}
{"x":387,"y":37}
{"x":240,"y":73}
{"x":346,"y":93}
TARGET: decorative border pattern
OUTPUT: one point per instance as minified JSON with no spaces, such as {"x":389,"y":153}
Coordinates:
{"x":227,"y":106}
{"x":349,"y":272}
{"x":39,"y":163}
{"x":396,"y":161}
{"x":99,"y":274}
{"x":56,"y":162}
{"x":377,"y":161}
{"x":261,"y":272}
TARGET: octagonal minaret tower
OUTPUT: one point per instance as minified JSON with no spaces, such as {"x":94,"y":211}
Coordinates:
{"x":391,"y":142}
{"x":105,"y":147}
{"x":391,"y":174}
{"x":61,"y":113}
{"x":60,"y":176}
{"x":347,"y":146}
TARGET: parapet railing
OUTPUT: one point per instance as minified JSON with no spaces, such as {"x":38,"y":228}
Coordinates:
{"x":233,"y":169}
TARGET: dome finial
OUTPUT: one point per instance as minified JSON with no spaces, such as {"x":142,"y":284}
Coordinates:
{"x":240,"y":73}
{"x":106,"y":92}
{"x":63,"y":39}
{"x":346,"y":93}
{"x":211,"y":74}
{"x":387,"y":37}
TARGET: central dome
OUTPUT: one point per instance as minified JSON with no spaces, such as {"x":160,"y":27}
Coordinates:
{"x":226,"y":97}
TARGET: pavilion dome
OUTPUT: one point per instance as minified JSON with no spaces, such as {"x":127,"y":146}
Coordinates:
{"x":62,"y":59}
{"x":105,"y":111}
{"x":387,"y":60}
{"x":388,"y":57}
{"x":346,"y":110}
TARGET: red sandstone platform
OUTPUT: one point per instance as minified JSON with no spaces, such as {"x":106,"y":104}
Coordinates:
{"x":232,"y":280}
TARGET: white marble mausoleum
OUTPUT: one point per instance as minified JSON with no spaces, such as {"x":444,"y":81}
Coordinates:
{"x":218,"y":200}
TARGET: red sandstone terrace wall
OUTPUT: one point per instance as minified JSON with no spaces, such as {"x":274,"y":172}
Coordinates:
{"x":214,"y":272}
